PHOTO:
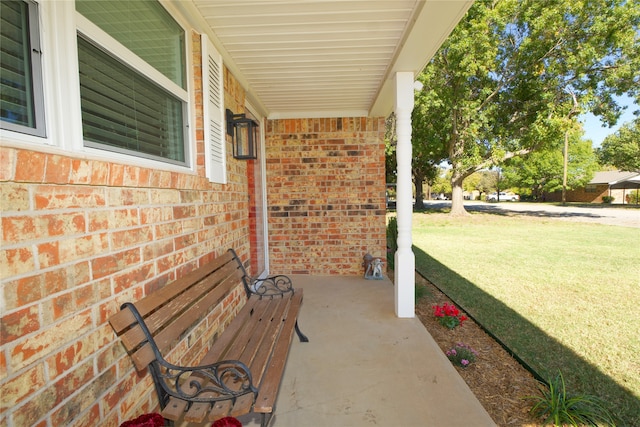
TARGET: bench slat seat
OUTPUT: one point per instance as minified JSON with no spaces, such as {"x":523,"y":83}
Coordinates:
{"x":243,"y":368}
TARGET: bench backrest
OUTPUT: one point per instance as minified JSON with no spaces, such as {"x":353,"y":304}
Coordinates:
{"x":170,"y":311}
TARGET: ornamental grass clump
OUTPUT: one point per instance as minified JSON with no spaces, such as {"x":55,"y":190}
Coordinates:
{"x":558,"y":407}
{"x":448,"y":315}
{"x":462,"y":355}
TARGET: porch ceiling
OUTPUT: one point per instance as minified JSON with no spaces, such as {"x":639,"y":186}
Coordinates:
{"x":327,"y":58}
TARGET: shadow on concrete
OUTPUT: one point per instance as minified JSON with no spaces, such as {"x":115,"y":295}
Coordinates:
{"x":533,"y":345}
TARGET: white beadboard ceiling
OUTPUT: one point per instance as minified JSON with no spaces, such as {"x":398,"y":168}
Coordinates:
{"x":327,"y":58}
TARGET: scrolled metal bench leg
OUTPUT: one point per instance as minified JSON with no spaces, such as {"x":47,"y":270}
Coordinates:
{"x":301,"y":336}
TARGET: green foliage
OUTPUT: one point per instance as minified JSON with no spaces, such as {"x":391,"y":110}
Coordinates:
{"x":392,"y":234}
{"x":558,"y":407}
{"x":514,"y":75}
{"x":420,"y":291}
{"x":608,"y":199}
{"x":462,"y":355}
{"x":622,"y":149}
{"x":541,"y":172}
{"x":392,"y":240}
{"x":634,"y":197}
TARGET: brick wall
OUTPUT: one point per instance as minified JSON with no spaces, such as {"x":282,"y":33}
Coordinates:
{"x":325,"y":193}
{"x":580,"y":195}
{"x":79,"y":237}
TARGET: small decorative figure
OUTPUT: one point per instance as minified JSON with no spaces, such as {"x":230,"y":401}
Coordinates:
{"x":373,"y":268}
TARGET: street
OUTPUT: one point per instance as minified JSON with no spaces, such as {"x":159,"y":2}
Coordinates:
{"x":602,"y":214}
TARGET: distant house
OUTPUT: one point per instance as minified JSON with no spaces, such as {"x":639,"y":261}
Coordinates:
{"x":616,"y":184}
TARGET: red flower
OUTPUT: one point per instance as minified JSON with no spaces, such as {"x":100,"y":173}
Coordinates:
{"x":227,"y":422}
{"x":146,"y":420}
{"x":449,"y":315}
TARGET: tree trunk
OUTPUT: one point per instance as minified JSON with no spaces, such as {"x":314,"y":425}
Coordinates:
{"x":457,"y":202}
{"x":419,"y":193}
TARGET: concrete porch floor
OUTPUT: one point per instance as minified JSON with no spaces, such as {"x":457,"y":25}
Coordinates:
{"x":364,"y":366}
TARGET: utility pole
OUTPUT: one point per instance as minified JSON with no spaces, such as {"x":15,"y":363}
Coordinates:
{"x":574,"y":110}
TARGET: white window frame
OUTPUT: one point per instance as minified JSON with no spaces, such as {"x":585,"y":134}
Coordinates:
{"x":115,"y":49}
{"x":33,"y":12}
{"x":59,"y":27}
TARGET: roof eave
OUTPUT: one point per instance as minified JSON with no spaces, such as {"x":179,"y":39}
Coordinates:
{"x":433,"y":22}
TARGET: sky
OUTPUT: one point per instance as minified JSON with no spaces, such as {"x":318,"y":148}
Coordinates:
{"x":593,"y":127}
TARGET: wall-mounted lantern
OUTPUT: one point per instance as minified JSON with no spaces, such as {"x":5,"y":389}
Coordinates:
{"x":245,"y":133}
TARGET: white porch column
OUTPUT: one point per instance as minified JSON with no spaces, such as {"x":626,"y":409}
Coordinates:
{"x":404,"y":258}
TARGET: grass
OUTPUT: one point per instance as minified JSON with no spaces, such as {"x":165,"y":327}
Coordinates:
{"x":564,"y":296}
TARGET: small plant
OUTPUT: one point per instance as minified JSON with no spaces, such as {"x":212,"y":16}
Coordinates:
{"x":556,"y":406}
{"x":462,"y":355}
{"x":608,"y":199}
{"x":448,"y":315}
{"x":420,"y":291}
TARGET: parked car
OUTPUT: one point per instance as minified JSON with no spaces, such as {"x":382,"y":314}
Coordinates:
{"x":504,"y":196}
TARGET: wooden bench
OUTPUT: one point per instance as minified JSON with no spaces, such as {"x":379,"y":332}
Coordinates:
{"x":242,"y":371}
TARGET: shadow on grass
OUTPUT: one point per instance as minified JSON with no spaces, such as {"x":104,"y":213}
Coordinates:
{"x":534,"y":346}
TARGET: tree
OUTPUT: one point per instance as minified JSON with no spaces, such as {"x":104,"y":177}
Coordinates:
{"x":506,"y":81}
{"x":622,"y":149}
{"x":541,"y":172}
{"x":428,"y":152}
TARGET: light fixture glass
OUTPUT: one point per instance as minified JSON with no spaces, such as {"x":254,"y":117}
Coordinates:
{"x":245,"y":134}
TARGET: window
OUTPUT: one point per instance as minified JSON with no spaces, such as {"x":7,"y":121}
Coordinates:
{"x":132,"y":80}
{"x":22,"y":98}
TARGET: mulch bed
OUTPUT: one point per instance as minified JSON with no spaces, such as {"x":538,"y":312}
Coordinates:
{"x":498,"y":381}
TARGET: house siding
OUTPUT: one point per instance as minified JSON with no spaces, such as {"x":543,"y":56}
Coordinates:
{"x":326,"y":194}
{"x":79,"y":238}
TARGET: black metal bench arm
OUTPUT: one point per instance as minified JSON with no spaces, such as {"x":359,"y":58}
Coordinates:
{"x":223,"y":380}
{"x":272,"y":286}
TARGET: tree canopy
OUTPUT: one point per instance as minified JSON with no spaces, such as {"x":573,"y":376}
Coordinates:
{"x":514,"y":74}
{"x":622,"y":149}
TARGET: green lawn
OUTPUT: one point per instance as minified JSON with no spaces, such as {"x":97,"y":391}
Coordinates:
{"x":562,"y":295}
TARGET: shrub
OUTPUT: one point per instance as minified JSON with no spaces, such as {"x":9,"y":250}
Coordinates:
{"x":608,"y":199}
{"x":556,"y":406}
{"x":420,"y":291}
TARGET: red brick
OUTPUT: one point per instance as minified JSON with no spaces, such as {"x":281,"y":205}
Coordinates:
{"x":80,"y":171}
{"x":82,"y":247}
{"x":49,"y":339}
{"x":131,"y":237}
{"x":49,"y":254}
{"x":99,"y":173}
{"x":19,"y":323}
{"x":88,"y":418}
{"x":7,"y":163}
{"x":116,"y":175}
{"x":107,"y":265}
{"x":3,"y":366}
{"x":20,"y":292}
{"x":30,"y":166}
{"x":68,"y":196}
{"x":14,"y":197}
{"x":21,"y":386}
{"x":58,"y":169}
{"x":133,"y":277}
{"x":16,"y":261}
{"x":16,"y":229}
